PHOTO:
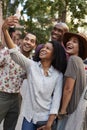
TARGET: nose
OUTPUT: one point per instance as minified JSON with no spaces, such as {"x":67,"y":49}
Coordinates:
{"x":69,"y":42}
{"x":44,"y":48}
{"x":29,"y":42}
{"x":55,"y":31}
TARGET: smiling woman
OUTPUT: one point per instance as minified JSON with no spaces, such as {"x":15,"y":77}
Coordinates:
{"x":42,"y":98}
{"x":75,"y":79}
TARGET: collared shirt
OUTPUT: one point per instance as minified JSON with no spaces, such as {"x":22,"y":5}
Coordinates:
{"x":43,"y":93}
{"x":10,"y":73}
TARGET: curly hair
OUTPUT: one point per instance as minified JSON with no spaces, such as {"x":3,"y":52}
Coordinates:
{"x":59,"y":56}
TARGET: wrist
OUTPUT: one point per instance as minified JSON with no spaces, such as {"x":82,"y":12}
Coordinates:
{"x":49,"y":124}
{"x":62,"y":115}
{"x":62,"y":111}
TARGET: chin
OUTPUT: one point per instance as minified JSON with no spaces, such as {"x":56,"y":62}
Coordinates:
{"x":26,"y":50}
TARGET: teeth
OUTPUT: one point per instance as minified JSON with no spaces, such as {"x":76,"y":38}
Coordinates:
{"x":27,"y":46}
{"x":69,"y":47}
{"x":42,"y":53}
{"x":54,"y":36}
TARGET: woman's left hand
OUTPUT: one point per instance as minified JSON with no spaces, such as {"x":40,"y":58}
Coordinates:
{"x":45,"y":127}
{"x":10,"y":21}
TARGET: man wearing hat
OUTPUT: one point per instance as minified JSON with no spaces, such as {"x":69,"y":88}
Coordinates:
{"x":75,"y":79}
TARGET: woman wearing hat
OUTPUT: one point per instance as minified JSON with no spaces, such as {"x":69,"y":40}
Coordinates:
{"x":75,"y":79}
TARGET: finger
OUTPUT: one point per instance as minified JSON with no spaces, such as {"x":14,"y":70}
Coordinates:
{"x":41,"y":128}
{"x":10,"y":19}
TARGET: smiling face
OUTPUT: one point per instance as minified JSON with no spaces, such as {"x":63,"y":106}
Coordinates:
{"x":58,"y":31}
{"x":72,"y":46}
{"x":47,"y":52}
{"x":29,"y":43}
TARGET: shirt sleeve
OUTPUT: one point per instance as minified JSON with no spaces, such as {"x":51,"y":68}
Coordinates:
{"x":71,"y":68}
{"x":57,"y":94}
{"x":4,"y":55}
{"x":20,"y":59}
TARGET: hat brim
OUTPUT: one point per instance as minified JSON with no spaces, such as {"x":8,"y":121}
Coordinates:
{"x":82,"y":39}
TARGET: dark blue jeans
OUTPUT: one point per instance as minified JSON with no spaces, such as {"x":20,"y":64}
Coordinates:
{"x":28,"y":125}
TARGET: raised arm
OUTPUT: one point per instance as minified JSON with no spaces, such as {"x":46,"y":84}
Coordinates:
{"x":10,"y":21}
{"x":16,"y":55}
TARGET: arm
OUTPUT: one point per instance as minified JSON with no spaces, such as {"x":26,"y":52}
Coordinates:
{"x":15,"y":54}
{"x":57,"y":94}
{"x":50,"y":121}
{"x":67,"y":93}
{"x":11,"y":21}
{"x":71,"y":76}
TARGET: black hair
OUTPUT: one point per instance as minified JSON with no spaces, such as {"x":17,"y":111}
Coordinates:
{"x":81,"y":48}
{"x":60,"y":60}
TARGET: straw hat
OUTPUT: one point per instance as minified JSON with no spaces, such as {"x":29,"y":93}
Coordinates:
{"x":82,"y":38}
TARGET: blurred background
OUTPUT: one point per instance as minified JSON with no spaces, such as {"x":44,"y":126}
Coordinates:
{"x":38,"y":16}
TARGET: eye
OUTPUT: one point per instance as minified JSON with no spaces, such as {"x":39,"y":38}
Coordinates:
{"x":26,"y":39}
{"x":60,"y":30}
{"x":32,"y":41}
{"x":48,"y":48}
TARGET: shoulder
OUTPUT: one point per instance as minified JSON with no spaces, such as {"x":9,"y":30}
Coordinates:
{"x":75,"y":65}
{"x":75,"y":60}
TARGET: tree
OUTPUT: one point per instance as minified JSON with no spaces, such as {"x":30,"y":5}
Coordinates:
{"x":9,"y":7}
{"x":41,"y":14}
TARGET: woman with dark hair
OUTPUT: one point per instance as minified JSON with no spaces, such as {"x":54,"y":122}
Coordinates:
{"x":58,"y":52}
{"x":45,"y":81}
{"x":75,"y":79}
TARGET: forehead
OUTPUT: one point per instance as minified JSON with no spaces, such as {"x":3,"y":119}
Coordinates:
{"x":74,"y":38}
{"x":58,"y":26}
{"x":48,"y":44}
{"x":31,"y":36}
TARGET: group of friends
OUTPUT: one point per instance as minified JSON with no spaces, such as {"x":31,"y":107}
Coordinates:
{"x":54,"y":78}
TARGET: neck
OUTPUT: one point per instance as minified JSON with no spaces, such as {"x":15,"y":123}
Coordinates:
{"x":46,"y":64}
{"x":27,"y":54}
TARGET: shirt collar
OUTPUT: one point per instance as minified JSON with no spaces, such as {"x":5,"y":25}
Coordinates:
{"x":50,"y":69}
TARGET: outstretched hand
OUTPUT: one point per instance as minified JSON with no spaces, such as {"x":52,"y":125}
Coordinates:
{"x":10,"y":21}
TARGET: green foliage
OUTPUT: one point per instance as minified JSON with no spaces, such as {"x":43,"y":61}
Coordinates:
{"x":79,"y":10}
{"x":8,"y":8}
{"x":42,"y":13}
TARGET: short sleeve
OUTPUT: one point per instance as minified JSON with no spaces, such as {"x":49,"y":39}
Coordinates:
{"x":71,"y":68}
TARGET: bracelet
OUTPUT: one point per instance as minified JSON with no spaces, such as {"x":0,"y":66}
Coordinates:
{"x":61,"y":116}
